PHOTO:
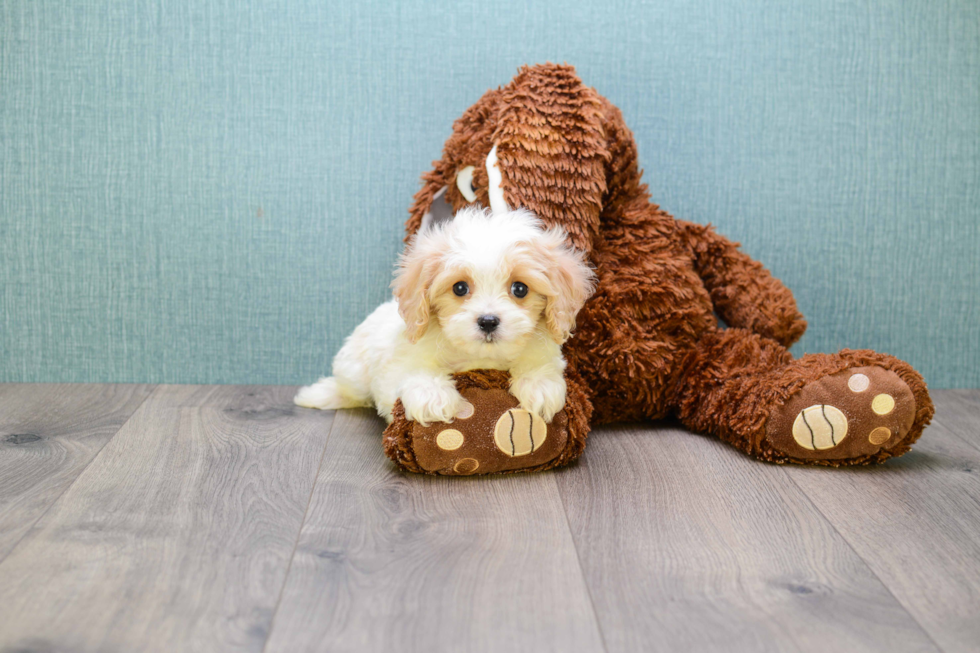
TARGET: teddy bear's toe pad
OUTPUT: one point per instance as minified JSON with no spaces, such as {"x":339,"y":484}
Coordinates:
{"x":853,"y":413}
{"x":519,"y":432}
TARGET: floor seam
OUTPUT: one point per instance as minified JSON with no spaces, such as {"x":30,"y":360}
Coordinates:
{"x":862,"y":559}
{"x":299,"y":533}
{"x":78,"y":475}
{"x":578,"y":559}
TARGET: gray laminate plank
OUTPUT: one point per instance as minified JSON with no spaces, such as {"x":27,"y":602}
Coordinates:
{"x":689,"y":545}
{"x":389,"y":561}
{"x":916,"y":521}
{"x":48,"y":434}
{"x":177,"y":537}
{"x":959,"y":411}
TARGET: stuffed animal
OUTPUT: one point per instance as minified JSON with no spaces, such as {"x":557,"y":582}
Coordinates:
{"x":647,"y":344}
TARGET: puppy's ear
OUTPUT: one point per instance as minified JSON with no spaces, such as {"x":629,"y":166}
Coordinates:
{"x":417,"y":268}
{"x":572,"y":281}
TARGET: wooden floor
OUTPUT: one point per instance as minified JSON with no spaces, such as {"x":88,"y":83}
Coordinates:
{"x":192,"y":518}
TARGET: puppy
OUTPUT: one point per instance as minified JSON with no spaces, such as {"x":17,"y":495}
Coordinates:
{"x":488,"y":291}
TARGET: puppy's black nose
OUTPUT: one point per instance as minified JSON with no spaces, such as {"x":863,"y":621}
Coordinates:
{"x":488,"y":323}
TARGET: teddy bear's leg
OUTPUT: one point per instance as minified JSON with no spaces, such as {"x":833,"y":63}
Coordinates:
{"x":852,"y":407}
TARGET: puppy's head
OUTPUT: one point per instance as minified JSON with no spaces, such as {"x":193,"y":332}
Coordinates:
{"x":491,"y":281}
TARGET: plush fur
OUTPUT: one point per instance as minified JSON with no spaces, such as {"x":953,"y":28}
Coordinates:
{"x":408,"y":348}
{"x":647,"y":343}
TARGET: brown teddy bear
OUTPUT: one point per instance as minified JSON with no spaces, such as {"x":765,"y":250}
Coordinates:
{"x":647,"y":344}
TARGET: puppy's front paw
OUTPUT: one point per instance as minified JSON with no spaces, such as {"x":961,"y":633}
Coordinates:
{"x":431,"y":401}
{"x":543,"y":395}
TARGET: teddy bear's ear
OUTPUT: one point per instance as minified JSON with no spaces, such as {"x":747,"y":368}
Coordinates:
{"x":439,"y":211}
{"x":466,"y":147}
{"x":551,"y":149}
{"x":431,"y":197}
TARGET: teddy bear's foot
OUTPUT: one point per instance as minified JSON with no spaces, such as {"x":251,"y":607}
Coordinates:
{"x":848,"y":416}
{"x":493,"y":434}
{"x":499,"y":437}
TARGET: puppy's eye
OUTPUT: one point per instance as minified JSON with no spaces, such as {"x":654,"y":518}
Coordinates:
{"x":519,"y":289}
{"x":464,"y":182}
{"x":460,"y":288}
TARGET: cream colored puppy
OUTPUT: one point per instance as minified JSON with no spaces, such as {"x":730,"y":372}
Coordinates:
{"x":480,"y":291}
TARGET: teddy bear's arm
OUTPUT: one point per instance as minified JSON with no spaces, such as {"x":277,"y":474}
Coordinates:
{"x":744,"y":293}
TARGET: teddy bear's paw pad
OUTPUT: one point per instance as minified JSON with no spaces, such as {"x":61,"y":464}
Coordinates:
{"x":494,"y":435}
{"x":449,"y":440}
{"x":819,"y":427}
{"x":853,"y":413}
{"x":519,"y":432}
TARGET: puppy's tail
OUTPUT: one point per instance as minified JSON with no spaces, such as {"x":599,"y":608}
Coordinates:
{"x":327,"y":394}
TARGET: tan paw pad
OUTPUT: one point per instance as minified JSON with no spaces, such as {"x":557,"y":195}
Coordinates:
{"x":519,"y":432}
{"x":819,"y":427}
{"x":880,"y":435}
{"x":858,"y":382}
{"x":883,"y":404}
{"x":466,"y":411}
{"x":449,"y":440}
{"x":466,"y":466}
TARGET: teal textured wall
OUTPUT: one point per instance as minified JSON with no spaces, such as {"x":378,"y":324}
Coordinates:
{"x":214,"y":191}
